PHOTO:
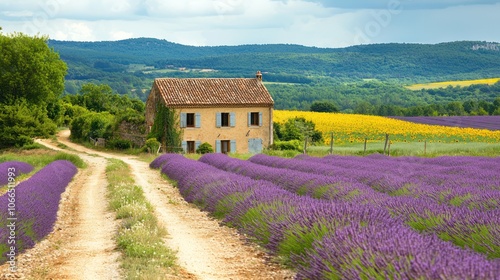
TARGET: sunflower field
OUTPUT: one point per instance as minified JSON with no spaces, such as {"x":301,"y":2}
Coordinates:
{"x":352,"y":128}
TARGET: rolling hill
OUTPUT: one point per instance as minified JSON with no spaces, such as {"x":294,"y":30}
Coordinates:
{"x":415,"y":62}
{"x":298,"y":75}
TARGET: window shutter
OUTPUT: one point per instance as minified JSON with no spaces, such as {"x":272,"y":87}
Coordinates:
{"x":197,"y":145}
{"x":183,"y":119}
{"x":232,"y":119}
{"x":233,"y":146}
{"x":260,"y":118}
{"x":185,"y":146}
{"x":197,"y":122}
{"x":218,"y":120}
{"x":217,"y":146}
{"x":250,"y":146}
{"x":249,"y":119}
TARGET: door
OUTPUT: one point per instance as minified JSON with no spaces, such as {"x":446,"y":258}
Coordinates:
{"x":225,"y":146}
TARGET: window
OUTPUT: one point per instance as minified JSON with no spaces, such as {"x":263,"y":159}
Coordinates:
{"x":255,"y":119}
{"x":190,"y":147}
{"x":225,"y":146}
{"x":224,"y":119}
{"x":190,"y":120}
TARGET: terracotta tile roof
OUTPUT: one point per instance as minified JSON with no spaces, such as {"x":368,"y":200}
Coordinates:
{"x":217,"y":92}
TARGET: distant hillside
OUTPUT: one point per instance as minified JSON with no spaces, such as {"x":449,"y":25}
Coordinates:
{"x":415,"y":62}
{"x":296,"y":75}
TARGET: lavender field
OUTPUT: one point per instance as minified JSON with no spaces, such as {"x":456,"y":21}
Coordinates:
{"x":18,"y":168}
{"x":356,"y":217}
{"x":32,"y":207}
{"x":481,"y":122}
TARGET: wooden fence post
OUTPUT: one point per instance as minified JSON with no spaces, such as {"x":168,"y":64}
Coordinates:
{"x":386,"y":141}
{"x":331,"y":144}
{"x":425,"y":147}
{"x":366,"y":139}
{"x":389,"y":148}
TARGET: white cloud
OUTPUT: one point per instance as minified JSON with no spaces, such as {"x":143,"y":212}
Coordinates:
{"x":229,"y":22}
{"x":70,"y":31}
{"x":408,"y":4}
{"x":120,"y":35}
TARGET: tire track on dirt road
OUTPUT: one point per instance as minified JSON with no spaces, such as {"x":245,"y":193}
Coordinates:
{"x":204,"y":248}
{"x":86,"y":242}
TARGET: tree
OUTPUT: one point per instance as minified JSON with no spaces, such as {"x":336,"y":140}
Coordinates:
{"x":92,"y":124}
{"x":96,"y":97}
{"x":455,"y":108}
{"x":364,"y":108}
{"x":324,"y":106}
{"x":22,"y":121}
{"x":31,"y":81}
{"x":30,"y":70}
{"x":298,"y":129}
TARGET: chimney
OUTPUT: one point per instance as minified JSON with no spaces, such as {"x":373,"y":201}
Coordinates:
{"x":258,"y":76}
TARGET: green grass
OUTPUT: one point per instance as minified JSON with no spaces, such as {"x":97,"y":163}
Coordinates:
{"x":139,"y":238}
{"x":40,"y":157}
{"x":404,"y":149}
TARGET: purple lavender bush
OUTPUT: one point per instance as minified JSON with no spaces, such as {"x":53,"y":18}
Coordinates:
{"x":334,"y":188}
{"x":324,"y":239}
{"x":35,"y":207}
{"x":18,"y":167}
{"x":453,"y":199}
{"x":159,"y":161}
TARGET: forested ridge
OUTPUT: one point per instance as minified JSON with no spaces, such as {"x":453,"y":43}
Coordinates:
{"x":296,"y":75}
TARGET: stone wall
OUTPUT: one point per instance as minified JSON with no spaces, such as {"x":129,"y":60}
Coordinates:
{"x":136,"y":133}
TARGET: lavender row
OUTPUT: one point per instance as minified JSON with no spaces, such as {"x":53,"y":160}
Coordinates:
{"x":320,"y":238}
{"x":28,"y":213}
{"x":481,"y":122}
{"x":473,"y":182}
{"x":453,"y":185}
{"x":424,"y":214}
{"x":334,"y":188}
{"x":477,"y":167}
{"x":15,"y":167}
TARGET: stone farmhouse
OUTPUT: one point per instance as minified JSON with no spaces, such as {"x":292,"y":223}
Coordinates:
{"x":234,"y":115}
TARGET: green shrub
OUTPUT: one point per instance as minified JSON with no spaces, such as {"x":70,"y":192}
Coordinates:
{"x":205,"y":148}
{"x":152,"y":145}
{"x":95,"y":125}
{"x":120,"y":144}
{"x":32,"y":146}
{"x":292,"y":145}
{"x":20,"y":122}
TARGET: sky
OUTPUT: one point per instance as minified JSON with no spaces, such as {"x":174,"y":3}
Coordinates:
{"x":320,"y":23}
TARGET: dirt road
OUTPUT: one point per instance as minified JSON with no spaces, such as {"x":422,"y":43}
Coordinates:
{"x":205,"y":249}
{"x":81,"y":245}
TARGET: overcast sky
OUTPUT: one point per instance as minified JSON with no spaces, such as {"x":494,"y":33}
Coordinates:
{"x":321,"y":23}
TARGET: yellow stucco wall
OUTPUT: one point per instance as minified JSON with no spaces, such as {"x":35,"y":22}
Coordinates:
{"x":241,"y":132}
